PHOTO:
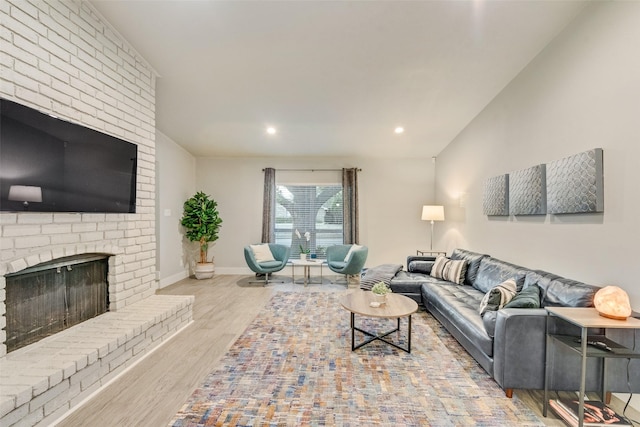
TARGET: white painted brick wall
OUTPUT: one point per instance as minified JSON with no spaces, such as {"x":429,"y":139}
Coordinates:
{"x":59,"y":57}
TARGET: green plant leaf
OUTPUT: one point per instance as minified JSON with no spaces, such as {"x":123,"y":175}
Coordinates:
{"x":201,"y":221}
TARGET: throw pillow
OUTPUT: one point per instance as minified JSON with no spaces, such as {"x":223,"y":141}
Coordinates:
{"x":262,"y":253}
{"x":351,"y":250}
{"x":448,"y":269}
{"x":526,"y":298}
{"x":498,"y":296}
{"x":438,"y":266}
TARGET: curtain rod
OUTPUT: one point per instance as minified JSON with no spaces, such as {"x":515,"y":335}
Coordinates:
{"x":313,"y":170}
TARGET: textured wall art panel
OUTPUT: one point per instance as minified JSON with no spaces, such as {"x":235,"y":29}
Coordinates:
{"x":496,"y":196}
{"x":528,"y":191}
{"x":575,"y":184}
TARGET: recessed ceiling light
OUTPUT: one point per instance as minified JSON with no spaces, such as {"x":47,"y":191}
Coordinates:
{"x":399,"y":129}
{"x":271,"y":130}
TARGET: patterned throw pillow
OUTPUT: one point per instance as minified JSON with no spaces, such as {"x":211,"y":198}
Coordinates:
{"x":448,"y":269}
{"x":498,"y":296}
{"x":262,"y":253}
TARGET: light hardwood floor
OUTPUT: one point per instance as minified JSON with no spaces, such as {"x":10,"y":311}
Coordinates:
{"x":153,"y":391}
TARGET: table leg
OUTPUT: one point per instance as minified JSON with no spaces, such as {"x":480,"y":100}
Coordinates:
{"x":604,"y":380}
{"x":408,"y":334}
{"x":583,"y":375}
{"x":545,"y":403}
{"x":353,"y":331}
{"x":379,"y":336}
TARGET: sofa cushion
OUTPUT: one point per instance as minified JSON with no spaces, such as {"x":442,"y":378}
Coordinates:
{"x":489,"y":321}
{"x":473,"y":263}
{"x":498,"y":296}
{"x":460,"y":305}
{"x":407,"y":277}
{"x":529,"y":297}
{"x":449,"y":270}
{"x":493,"y":271}
{"x":556,"y":291}
{"x":406,"y":282}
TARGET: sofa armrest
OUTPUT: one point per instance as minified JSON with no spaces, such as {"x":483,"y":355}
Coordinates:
{"x":519,"y":348}
{"x":422,"y":264}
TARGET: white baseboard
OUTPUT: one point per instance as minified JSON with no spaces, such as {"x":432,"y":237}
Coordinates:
{"x":244,"y":271}
{"x":173,"y":279}
{"x":234,"y":270}
{"x":284,"y":272}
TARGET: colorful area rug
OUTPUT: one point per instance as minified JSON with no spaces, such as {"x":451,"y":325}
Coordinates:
{"x":293,"y":366}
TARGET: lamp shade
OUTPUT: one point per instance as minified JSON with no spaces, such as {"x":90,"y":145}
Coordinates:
{"x":25,"y":193}
{"x":612,"y":302}
{"x":432,"y":213}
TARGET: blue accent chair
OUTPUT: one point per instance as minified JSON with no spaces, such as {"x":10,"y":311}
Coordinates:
{"x":279,"y":252}
{"x":336,"y":259}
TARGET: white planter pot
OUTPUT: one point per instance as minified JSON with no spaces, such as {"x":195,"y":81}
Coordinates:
{"x":204,"y":270}
{"x":380,"y":298}
{"x":303,"y":257}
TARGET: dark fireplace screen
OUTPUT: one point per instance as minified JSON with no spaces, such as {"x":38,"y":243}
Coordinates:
{"x":50,"y":297}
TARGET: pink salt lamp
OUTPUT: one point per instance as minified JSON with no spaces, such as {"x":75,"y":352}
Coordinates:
{"x":612,"y":302}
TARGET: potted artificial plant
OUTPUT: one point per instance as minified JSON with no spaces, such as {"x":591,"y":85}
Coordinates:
{"x":202,"y":222}
{"x":380,"y":291}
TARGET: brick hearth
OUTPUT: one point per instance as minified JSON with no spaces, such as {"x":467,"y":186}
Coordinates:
{"x":42,"y":381}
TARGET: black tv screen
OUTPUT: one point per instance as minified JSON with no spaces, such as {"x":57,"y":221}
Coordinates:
{"x":68,"y":167}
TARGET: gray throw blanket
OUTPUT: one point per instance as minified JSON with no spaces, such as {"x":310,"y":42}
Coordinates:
{"x":382,"y":273}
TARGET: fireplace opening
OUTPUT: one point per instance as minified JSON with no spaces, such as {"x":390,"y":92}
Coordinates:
{"x":53,"y":296}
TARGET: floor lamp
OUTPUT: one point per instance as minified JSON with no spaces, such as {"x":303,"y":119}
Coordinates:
{"x":432,"y":213}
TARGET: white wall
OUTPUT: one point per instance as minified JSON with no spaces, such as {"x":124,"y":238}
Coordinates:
{"x":176,"y":181}
{"x":581,"y":92}
{"x":392,"y":192}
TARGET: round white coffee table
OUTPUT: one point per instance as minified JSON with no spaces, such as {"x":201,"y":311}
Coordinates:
{"x":307,"y":264}
{"x":396,"y":307}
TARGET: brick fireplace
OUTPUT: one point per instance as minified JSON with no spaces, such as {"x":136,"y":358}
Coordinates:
{"x":62,"y":58}
{"x":65,"y":60}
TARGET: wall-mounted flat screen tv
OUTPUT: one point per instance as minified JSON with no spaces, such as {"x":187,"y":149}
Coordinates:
{"x":51,"y":165}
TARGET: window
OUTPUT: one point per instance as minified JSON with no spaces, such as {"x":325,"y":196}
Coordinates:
{"x":316,"y":209}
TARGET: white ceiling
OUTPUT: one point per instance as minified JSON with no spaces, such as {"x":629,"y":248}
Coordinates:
{"x":334,"y":77}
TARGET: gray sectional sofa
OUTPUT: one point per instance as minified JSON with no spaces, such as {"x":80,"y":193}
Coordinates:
{"x":510,"y":343}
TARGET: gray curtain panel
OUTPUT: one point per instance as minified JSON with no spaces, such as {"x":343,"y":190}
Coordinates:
{"x":269,"y":206}
{"x":350,"y":205}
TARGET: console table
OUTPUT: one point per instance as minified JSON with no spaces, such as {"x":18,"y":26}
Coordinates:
{"x":586,"y":318}
{"x":420,"y":252}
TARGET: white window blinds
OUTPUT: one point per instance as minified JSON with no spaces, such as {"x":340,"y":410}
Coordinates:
{"x":315,"y":209}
